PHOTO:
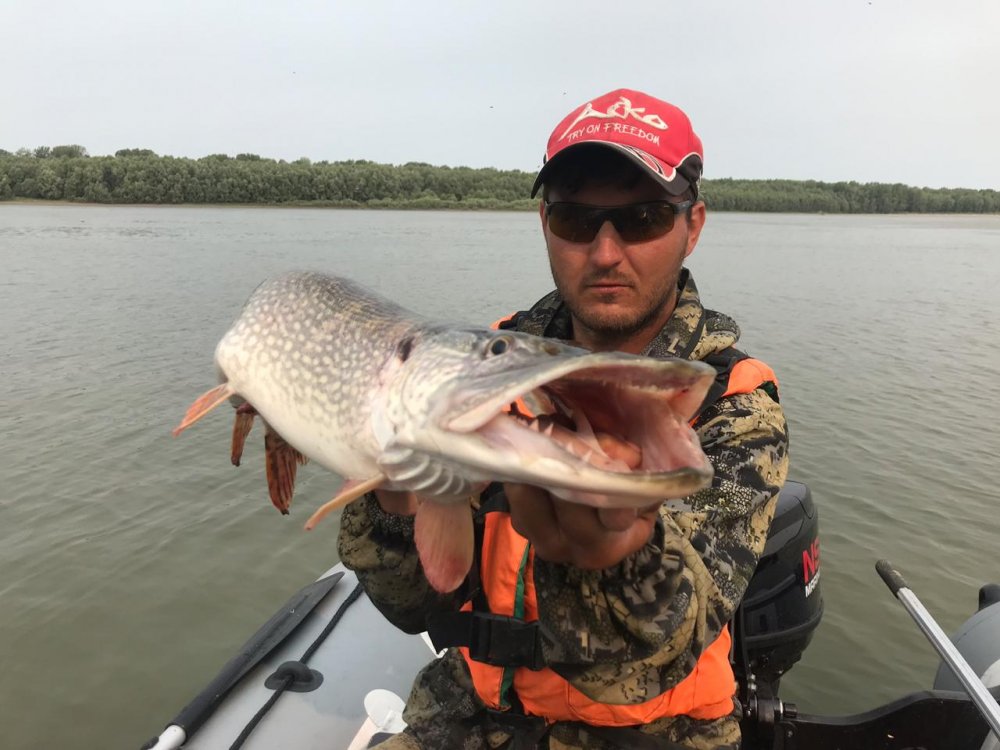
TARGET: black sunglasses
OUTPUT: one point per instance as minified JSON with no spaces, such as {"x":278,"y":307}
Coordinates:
{"x":636,"y":222}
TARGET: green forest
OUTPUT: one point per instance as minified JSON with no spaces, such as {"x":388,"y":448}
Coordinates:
{"x":131,"y":176}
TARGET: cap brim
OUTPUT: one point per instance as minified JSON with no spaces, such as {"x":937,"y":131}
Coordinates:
{"x":669,"y":177}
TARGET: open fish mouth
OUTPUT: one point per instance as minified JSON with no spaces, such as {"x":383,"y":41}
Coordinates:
{"x":555,"y":413}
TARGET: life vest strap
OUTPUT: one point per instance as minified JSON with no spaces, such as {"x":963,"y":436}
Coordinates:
{"x":492,"y":639}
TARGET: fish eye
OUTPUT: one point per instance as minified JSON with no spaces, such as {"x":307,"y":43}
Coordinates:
{"x":499,"y":345}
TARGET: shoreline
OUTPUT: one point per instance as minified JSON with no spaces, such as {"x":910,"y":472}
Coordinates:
{"x":291,"y":204}
{"x":449,"y":207}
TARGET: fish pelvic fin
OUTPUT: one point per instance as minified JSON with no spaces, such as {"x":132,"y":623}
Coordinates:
{"x":351,"y":490}
{"x":444,"y":537}
{"x":282,"y":461}
{"x":203,"y":405}
{"x":241,"y":428}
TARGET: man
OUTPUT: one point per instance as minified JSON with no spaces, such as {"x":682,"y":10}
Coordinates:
{"x":590,"y":628}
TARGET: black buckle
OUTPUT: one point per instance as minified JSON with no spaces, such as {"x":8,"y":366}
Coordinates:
{"x":492,"y":639}
{"x":505,"y":641}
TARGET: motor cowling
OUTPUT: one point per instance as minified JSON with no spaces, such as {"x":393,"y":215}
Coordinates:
{"x":783,"y":604}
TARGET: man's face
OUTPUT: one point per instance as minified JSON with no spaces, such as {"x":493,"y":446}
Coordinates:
{"x":619,"y":293}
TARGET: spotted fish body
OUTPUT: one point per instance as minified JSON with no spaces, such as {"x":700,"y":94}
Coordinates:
{"x":389,"y":399}
{"x":304,"y":353}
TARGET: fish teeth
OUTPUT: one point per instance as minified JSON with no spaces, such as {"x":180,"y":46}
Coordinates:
{"x":561,"y":406}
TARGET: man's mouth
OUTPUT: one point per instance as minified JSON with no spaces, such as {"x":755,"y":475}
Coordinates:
{"x":608,"y":284}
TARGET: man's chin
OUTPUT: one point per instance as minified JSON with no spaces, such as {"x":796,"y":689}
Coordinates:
{"x":612,"y":323}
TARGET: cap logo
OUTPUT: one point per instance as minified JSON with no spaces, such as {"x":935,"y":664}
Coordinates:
{"x":620,"y":110}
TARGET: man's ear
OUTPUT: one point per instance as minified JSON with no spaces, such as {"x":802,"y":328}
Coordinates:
{"x":696,"y":220}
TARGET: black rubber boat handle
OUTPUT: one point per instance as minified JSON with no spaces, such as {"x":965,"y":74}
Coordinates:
{"x":891,"y":576}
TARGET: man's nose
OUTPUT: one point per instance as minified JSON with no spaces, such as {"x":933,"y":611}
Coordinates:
{"x":607,"y":248}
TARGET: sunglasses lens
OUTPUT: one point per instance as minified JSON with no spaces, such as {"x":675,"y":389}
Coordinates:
{"x":643,"y":222}
{"x":573,"y":222}
{"x":639,"y":222}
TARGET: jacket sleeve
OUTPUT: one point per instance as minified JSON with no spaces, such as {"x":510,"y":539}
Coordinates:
{"x":628,"y":633}
{"x":379,"y":548}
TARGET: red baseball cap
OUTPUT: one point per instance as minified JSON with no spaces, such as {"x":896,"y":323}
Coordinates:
{"x":655,"y":135}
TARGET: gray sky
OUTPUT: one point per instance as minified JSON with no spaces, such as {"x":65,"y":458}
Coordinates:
{"x":875,"y":91}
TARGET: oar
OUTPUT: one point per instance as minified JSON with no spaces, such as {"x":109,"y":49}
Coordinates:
{"x":261,"y":643}
{"x":970,"y":680}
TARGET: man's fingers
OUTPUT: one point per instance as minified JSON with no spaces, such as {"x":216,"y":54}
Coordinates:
{"x":616,"y":519}
{"x":398,"y":502}
{"x":575,"y":534}
{"x":599,"y":538}
{"x":533,"y":516}
{"x":606,"y":548}
{"x":621,"y":449}
{"x":580,"y":523}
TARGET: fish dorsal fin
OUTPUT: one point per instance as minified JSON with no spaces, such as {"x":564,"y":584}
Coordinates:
{"x":282,"y":461}
{"x":351,"y":490}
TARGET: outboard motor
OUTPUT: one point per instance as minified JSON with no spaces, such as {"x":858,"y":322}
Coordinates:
{"x":782,"y":607}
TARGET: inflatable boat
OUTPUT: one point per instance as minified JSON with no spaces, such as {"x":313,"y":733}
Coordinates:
{"x":327,"y":671}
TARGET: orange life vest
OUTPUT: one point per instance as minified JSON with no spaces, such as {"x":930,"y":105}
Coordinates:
{"x":506,"y":568}
{"x":706,"y":693}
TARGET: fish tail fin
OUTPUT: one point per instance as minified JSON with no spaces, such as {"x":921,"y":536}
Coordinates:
{"x":444,"y":538}
{"x":351,"y":490}
{"x":203,"y":405}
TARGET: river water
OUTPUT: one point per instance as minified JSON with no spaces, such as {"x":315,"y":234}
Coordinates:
{"x":132,"y":564}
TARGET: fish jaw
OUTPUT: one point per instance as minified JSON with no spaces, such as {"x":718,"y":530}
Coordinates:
{"x":465,"y":432}
{"x":508,"y":448}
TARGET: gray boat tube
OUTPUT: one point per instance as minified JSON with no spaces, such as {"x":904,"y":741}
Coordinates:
{"x":270,"y":635}
{"x":970,"y":681}
{"x":327,"y":671}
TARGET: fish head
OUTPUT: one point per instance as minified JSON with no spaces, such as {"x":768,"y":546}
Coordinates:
{"x":509,"y":406}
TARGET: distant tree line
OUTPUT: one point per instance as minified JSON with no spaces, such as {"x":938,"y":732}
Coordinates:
{"x":809,"y":196}
{"x":138,"y":175}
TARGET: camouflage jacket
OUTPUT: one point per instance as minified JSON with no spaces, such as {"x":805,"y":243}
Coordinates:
{"x":627,"y":633}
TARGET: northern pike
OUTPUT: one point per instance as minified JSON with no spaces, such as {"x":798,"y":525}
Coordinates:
{"x":389,"y":399}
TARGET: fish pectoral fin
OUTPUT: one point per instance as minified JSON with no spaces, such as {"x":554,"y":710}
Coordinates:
{"x":444,"y":538}
{"x":282,"y":461}
{"x":350,"y":491}
{"x":203,"y":405}
{"x":241,"y":428}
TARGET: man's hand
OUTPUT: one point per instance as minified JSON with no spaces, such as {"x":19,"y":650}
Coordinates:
{"x":579,"y":535}
{"x":400,"y":503}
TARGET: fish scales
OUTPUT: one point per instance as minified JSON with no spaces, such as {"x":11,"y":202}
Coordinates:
{"x":312,"y":347}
